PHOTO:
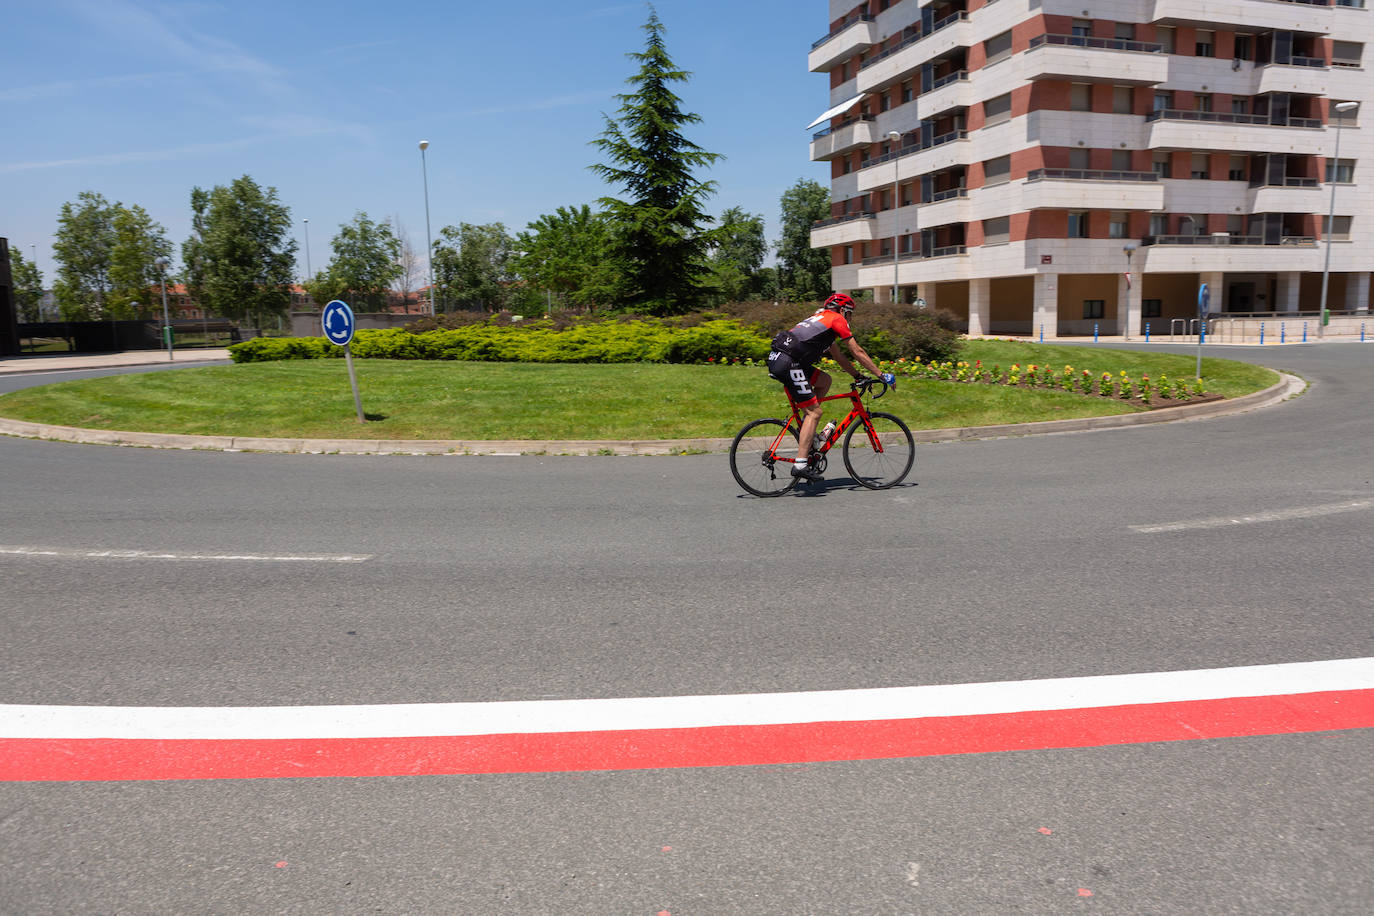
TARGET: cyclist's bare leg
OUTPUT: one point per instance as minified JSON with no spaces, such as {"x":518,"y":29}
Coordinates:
{"x":811,"y":418}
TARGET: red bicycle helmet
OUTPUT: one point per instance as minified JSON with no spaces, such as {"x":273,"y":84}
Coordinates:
{"x":841,"y":303}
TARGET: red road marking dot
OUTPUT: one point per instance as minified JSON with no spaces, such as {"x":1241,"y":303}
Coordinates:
{"x":666,"y":849}
{"x":281,"y":865}
{"x":1046,"y":831}
{"x":1084,"y":892}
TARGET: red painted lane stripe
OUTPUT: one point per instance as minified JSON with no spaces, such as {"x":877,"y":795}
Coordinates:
{"x":113,"y":759}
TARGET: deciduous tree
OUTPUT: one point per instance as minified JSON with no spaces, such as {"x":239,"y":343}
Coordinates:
{"x":804,"y":271}
{"x":568,"y":252}
{"x":28,"y":287}
{"x":472,"y":266}
{"x":363,"y":266}
{"x":85,"y":238}
{"x":241,"y":256}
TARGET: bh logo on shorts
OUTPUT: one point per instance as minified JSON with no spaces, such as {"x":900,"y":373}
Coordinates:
{"x":799,"y":379}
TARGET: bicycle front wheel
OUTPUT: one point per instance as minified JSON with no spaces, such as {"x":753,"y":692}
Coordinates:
{"x":763,"y":455}
{"x":884,"y":466}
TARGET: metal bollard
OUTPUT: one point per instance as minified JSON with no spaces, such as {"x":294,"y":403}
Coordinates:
{"x":1042,"y":333}
{"x":1261,"y":333}
{"x":1202,"y":332}
{"x":1304,"y":332}
{"x":1147,"y":332}
{"x":1094,"y":332}
{"x":1283,"y":332}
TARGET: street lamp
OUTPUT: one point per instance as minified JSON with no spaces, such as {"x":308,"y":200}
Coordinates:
{"x":895,"y":137}
{"x":1342,"y":108}
{"x":161,"y":264}
{"x":429,"y":240}
{"x":309,"y":273}
{"x":1129,"y":248}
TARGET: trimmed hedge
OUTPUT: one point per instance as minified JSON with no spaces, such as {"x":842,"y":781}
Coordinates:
{"x":534,"y":342}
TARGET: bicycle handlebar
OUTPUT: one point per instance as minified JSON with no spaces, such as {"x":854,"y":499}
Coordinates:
{"x":864,"y":383}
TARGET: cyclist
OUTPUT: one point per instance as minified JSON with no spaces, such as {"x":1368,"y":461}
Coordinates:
{"x":793,"y":362}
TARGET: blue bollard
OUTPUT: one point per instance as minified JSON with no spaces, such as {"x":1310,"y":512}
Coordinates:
{"x":1202,"y":332}
{"x":1042,"y":333}
{"x":1283,"y":332}
{"x":1261,"y":333}
{"x":1147,"y":332}
{"x":1361,"y":332}
{"x":1094,"y":332}
{"x":1304,"y":332}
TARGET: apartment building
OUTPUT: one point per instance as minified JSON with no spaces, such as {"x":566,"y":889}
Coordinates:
{"x":1060,"y":166}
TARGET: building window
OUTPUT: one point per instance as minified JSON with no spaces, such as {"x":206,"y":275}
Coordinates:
{"x":1117,"y":227}
{"x":997,"y":231}
{"x":997,"y":110}
{"x":998,"y":47}
{"x":997,"y":171}
{"x":1340,"y":171}
{"x":1199,"y":166}
{"x":1164,"y":99}
{"x":1078,"y":224}
{"x":1346,"y":53}
{"x":1159,"y":224}
{"x":883,"y":103}
{"x":1161,"y":165}
{"x":1123,"y":100}
{"x":1125,"y":31}
{"x":1243,"y":48}
{"x":1082,"y":28}
{"x":1079,"y":159}
{"x":907,"y":92}
{"x":849,"y":254}
{"x":1202,"y":101}
{"x":1205,"y":43}
{"x":1240,"y":104}
{"x":1340,"y":229}
{"x":1164,"y":35}
{"x":1121,"y":160}
{"x":1343,"y":118}
{"x":1236,"y":172}
{"x":1151,"y":308}
{"x":1080,"y":97}
{"x":1094,"y":308}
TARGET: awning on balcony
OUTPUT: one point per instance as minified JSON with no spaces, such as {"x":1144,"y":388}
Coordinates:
{"x":831,"y":112}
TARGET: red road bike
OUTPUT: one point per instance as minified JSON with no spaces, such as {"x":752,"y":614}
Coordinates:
{"x":765,"y":451}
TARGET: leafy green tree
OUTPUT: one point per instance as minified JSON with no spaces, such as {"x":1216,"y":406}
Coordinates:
{"x":660,"y":236}
{"x":737,"y":258}
{"x":240,"y":258}
{"x":365,"y":262}
{"x":804,"y":271}
{"x":568,"y":252}
{"x":472,"y":266}
{"x":85,"y":239}
{"x":138,"y":242}
{"x":28,"y":287}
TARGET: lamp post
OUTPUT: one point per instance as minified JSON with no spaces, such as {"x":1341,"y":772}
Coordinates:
{"x":309,"y":273}
{"x":1129,"y":248}
{"x":896,"y":138}
{"x":429,"y":240}
{"x":1342,"y":108}
{"x":161,"y":264}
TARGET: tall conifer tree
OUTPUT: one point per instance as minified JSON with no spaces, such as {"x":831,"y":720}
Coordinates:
{"x":660,"y":239}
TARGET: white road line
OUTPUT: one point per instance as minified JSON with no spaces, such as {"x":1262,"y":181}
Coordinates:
{"x":76,"y":553}
{"x":553,"y":716}
{"x":1278,"y":515}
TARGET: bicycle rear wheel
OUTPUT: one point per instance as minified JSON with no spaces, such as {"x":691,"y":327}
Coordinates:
{"x":876,"y":469}
{"x":759,"y":467}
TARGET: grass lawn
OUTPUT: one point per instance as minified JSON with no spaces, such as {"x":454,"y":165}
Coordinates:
{"x":456,"y":400}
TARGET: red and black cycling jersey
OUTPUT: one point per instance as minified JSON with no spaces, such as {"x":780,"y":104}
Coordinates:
{"x":808,"y":341}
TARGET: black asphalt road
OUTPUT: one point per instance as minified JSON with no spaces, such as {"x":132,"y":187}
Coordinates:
{"x":529,"y":578}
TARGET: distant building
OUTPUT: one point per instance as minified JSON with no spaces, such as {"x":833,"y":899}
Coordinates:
{"x":9,"y":319}
{"x":1059,"y":170}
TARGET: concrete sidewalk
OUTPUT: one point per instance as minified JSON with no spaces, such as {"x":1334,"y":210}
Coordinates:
{"x":71,"y":362}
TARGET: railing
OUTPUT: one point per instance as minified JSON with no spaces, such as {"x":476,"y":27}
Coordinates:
{"x":1288,"y":241}
{"x":915,"y":148}
{"x":1089,"y":175}
{"x":1085,"y":41}
{"x":908,"y":42}
{"x":948,"y":251}
{"x":848,"y":217}
{"x":843,"y":124}
{"x":948,"y":78}
{"x":951,"y":194}
{"x":1288,"y":182}
{"x":843,"y":25}
{"x":1226,"y":117}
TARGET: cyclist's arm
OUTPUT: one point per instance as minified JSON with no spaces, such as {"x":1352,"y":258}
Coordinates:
{"x":862,"y":356}
{"x":845,"y":362}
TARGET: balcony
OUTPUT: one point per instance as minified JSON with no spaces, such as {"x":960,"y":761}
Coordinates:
{"x":1224,"y":239}
{"x":1081,"y":58}
{"x":1295,"y":195}
{"x":843,"y":137}
{"x":855,"y":34}
{"x":945,"y":36}
{"x":1254,"y":16}
{"x":871,"y":177}
{"x":950,"y":91}
{"x":944,"y":207}
{"x":1070,"y":189}
{"x":1226,"y":132}
{"x":1295,"y":77}
{"x":1238,"y":253}
{"x":844,"y":230}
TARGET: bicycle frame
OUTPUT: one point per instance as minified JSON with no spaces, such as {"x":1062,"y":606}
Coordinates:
{"x":857,"y":411}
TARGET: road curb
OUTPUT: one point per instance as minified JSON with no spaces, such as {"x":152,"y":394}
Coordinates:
{"x":1287,"y":387}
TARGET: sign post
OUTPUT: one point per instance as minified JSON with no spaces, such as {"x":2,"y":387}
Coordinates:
{"x":338,"y":325}
{"x":1204,"y":298}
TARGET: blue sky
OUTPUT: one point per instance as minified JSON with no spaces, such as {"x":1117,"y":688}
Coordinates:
{"x":327,"y":102}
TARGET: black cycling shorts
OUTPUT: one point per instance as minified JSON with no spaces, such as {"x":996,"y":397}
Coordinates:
{"x":796,"y":377}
